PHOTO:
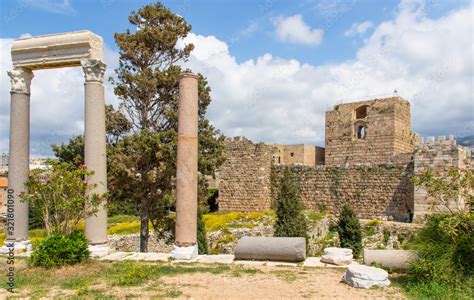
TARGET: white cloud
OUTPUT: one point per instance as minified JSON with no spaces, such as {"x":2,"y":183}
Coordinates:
{"x":358,"y":28}
{"x":293,"y":29}
{"x":429,"y":61}
{"x":271,"y":99}
{"x":54,"y":6}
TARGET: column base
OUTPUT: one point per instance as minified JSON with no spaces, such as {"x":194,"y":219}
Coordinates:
{"x":185,"y":253}
{"x":99,"y":250}
{"x":17,"y":247}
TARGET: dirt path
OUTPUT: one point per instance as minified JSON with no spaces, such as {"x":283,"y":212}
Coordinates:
{"x":273,"y":283}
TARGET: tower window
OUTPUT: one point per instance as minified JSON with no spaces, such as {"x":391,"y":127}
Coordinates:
{"x":361,"y":132}
{"x":292,"y":154}
{"x":361,"y":112}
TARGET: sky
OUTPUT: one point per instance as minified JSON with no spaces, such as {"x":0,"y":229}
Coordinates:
{"x":274,"y":66}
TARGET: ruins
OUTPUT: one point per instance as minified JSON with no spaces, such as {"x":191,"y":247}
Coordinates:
{"x":74,"y":49}
{"x":369,"y":157}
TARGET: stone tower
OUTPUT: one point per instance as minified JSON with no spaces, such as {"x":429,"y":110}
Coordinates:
{"x":369,"y":132}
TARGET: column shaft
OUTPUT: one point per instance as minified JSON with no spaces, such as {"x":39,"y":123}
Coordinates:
{"x":187,"y":161}
{"x":18,"y":166}
{"x":95,"y":156}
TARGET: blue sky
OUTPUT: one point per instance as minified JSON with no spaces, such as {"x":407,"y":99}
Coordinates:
{"x":274,"y":66}
{"x":246,"y":24}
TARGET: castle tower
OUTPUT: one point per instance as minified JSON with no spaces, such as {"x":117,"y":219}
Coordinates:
{"x":376,"y":131}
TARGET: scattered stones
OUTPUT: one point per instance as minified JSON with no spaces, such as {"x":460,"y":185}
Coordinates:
{"x":337,"y":256}
{"x":361,"y":276}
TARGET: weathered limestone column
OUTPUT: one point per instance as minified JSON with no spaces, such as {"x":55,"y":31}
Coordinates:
{"x":186,"y":169}
{"x":95,"y":150}
{"x":18,"y":167}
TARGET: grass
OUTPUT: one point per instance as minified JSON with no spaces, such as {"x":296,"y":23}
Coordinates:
{"x":432,"y":290}
{"x":93,"y":278}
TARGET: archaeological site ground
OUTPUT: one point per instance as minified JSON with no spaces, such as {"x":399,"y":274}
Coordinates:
{"x":188,"y":174}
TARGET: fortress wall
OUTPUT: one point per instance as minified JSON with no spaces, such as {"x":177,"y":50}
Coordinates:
{"x":248,"y":182}
{"x":439,"y":155}
{"x":382,"y":191}
{"x":244,"y":178}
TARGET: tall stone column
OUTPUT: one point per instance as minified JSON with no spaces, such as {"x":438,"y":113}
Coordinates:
{"x":18,"y":166}
{"x":187,"y":167}
{"x":95,"y":151}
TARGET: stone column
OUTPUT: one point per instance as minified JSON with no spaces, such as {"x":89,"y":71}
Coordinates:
{"x":186,"y":168}
{"x":19,"y":155}
{"x":95,"y":150}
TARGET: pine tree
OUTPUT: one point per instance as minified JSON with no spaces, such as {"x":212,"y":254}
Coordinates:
{"x":203,"y":247}
{"x":350,"y":233}
{"x":290,"y":221}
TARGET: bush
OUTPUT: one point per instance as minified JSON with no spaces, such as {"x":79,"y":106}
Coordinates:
{"x":350,"y":233}
{"x":444,"y":249}
{"x":290,"y":220}
{"x":203,"y":247}
{"x":59,"y":250}
{"x":58,"y":195}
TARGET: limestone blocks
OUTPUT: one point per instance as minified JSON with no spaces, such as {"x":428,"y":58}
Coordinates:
{"x":337,"y":256}
{"x":361,"y":276}
{"x":292,"y":249}
{"x":56,"y":50}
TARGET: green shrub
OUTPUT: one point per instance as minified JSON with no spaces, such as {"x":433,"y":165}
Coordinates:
{"x":59,"y":250}
{"x":201,"y":234}
{"x":444,"y":248}
{"x":350,"y":233}
{"x":290,"y":220}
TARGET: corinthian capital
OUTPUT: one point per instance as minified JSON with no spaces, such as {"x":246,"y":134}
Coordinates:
{"x":20,"y":80}
{"x":94,"y":70}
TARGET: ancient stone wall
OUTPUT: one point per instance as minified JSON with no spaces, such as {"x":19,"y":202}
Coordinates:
{"x":382,"y":192}
{"x":244,"y":178}
{"x":439,"y":155}
{"x":299,"y":154}
{"x":368,"y":132}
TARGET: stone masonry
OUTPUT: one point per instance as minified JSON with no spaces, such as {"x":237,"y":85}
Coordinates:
{"x":370,"y":156}
{"x":368,"y":132}
{"x":439,"y":155}
{"x":244,"y":179}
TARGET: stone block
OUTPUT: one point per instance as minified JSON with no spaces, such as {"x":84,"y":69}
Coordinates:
{"x":361,"y":276}
{"x":395,"y":259}
{"x":292,"y":249}
{"x":337,"y":256}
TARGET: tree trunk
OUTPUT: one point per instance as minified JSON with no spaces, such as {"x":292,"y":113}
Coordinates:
{"x":144,"y":231}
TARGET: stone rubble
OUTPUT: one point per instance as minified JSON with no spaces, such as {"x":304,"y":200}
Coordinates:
{"x":361,"y":276}
{"x":337,"y":256}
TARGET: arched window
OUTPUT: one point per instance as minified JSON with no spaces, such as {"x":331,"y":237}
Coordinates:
{"x":361,"y":112}
{"x":361,"y":131}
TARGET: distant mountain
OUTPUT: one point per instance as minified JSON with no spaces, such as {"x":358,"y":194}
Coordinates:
{"x":467,"y":141}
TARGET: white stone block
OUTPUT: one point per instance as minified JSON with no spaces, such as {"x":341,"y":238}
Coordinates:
{"x":361,"y":276}
{"x":99,"y":250}
{"x":184,"y":253}
{"x":337,"y":256}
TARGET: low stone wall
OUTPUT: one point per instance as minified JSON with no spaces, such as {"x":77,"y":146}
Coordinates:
{"x":131,"y":243}
{"x":375,"y":192}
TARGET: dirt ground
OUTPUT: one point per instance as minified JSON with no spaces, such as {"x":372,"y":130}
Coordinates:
{"x":276,"y":283}
{"x":228,"y":282}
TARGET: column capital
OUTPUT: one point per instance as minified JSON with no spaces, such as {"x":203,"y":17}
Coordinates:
{"x":20,"y":79}
{"x":94,"y":70}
